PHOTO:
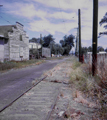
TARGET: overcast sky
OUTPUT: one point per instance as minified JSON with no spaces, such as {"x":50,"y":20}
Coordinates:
{"x":56,"y":17}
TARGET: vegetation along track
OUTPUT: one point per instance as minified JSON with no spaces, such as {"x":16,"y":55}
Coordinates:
{"x":21,"y":95}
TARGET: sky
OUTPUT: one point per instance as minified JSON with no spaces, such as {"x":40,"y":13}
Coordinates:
{"x":56,"y":17}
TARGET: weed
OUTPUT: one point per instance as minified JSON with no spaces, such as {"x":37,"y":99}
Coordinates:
{"x":76,"y":64}
{"x":18,"y":64}
{"x":94,"y":87}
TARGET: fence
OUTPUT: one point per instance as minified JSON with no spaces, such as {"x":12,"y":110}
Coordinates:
{"x":101,"y":57}
{"x":101,"y":71}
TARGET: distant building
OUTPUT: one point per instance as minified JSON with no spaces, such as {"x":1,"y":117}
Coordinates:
{"x":102,"y":52}
{"x":34,"y":45}
{"x":89,"y":52}
{"x":34,"y":50}
{"x":46,"y":52}
{"x":14,"y":42}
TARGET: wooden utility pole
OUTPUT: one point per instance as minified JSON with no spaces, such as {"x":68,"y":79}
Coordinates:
{"x":79,"y":27}
{"x":94,"y":37}
{"x":41,"y":43}
{"x":76,"y":49}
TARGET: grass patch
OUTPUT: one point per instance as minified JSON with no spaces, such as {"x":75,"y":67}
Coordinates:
{"x":92,"y":87}
{"x":7,"y":66}
{"x":19,"y":64}
{"x":76,"y":65}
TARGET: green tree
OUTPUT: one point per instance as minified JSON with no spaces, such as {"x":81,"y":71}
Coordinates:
{"x":84,"y":50}
{"x":47,"y":40}
{"x":105,"y":50}
{"x":89,"y":49}
{"x":103,"y":20}
{"x":67,"y":43}
{"x":34,"y":40}
{"x":100,"y":48}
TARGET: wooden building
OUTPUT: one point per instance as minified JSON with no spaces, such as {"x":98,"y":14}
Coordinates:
{"x":14,"y":42}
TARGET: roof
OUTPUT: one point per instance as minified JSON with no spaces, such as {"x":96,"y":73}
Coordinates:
{"x":2,"y":37}
{"x":20,"y":23}
{"x":5,"y":29}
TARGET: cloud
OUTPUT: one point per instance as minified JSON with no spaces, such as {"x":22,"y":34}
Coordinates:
{"x":57,"y":15}
{"x":27,"y":10}
{"x":45,"y":25}
{"x":66,"y":4}
{"x":63,"y":15}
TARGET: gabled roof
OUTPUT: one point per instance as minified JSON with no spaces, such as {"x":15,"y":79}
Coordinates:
{"x":2,"y":37}
{"x":5,"y":29}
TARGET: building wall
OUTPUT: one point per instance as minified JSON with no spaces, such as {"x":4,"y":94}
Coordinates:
{"x":6,"y":50}
{"x":46,"y":52}
{"x":1,"y":50}
{"x":18,"y":44}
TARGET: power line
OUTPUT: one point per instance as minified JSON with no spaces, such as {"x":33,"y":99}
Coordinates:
{"x":5,"y":20}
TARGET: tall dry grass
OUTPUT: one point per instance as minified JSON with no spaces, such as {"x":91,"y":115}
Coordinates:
{"x":94,"y":87}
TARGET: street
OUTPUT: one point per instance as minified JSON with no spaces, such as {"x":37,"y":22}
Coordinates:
{"x":15,"y":82}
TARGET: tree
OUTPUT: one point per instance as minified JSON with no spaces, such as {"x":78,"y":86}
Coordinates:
{"x":103,"y":20}
{"x":34,"y":40}
{"x":62,"y":42}
{"x":105,"y":50}
{"x":84,"y":50}
{"x":100,"y":48}
{"x":89,"y":49}
{"x":52,"y":47}
{"x":56,"y":48}
{"x":47,"y":40}
{"x":67,"y":43}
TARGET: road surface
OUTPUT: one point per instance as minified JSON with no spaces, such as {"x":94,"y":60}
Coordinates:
{"x":15,"y":82}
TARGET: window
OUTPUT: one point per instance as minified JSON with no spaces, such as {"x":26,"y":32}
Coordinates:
{"x":20,"y":37}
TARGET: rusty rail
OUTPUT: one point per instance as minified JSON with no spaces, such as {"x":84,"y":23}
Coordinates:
{"x":52,"y":106}
{"x":21,"y":95}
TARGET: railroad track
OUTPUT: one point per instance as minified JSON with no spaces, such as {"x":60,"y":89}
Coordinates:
{"x":52,"y":104}
{"x":21,"y":95}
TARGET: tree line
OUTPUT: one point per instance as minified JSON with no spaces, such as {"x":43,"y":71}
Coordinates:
{"x":64,"y":47}
{"x":89,"y":49}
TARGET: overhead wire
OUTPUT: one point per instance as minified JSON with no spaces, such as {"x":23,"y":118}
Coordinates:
{"x":5,"y":19}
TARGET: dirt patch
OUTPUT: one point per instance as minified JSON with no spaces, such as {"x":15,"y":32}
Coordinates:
{"x":69,"y":106}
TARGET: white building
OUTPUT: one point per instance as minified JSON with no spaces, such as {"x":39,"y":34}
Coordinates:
{"x":14,"y":42}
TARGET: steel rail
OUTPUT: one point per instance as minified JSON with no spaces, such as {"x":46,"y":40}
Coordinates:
{"x":21,"y":95}
{"x":52,"y":106}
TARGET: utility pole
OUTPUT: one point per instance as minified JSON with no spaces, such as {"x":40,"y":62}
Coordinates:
{"x":94,"y":37}
{"x":76,"y":49}
{"x":79,"y":27}
{"x":41,"y":43}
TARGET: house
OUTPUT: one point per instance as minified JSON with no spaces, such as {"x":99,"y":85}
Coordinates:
{"x":14,"y":42}
{"x":34,"y":45}
{"x":34,"y":50}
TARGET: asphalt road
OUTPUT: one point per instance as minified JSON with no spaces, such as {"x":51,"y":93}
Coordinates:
{"x":15,"y":82}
